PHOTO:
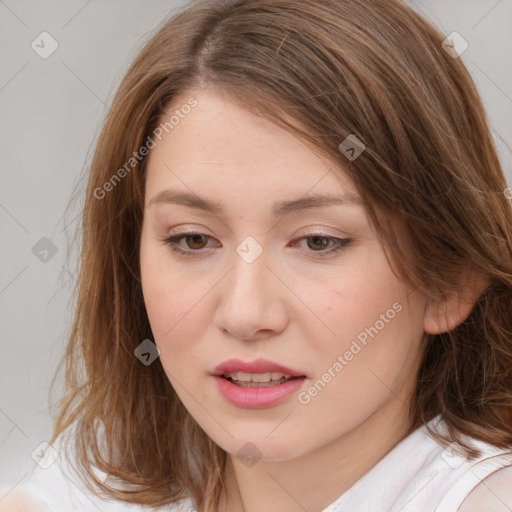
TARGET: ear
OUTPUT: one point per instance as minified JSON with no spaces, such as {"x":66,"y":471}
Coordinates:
{"x":446,"y":313}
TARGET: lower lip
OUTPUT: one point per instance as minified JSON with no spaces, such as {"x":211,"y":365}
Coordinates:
{"x":257,"y":397}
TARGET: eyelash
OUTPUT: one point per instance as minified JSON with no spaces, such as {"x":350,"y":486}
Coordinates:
{"x":339,"y":243}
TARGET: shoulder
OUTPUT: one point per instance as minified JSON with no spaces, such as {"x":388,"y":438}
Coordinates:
{"x":492,"y":493}
{"x":17,"y":501}
{"x":55,"y":484}
{"x":26,"y":501}
{"x":50,"y":480}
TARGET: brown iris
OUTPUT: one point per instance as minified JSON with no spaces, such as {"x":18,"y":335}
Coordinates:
{"x":323,"y":242}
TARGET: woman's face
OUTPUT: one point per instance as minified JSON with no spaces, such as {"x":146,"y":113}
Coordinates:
{"x":272,"y":272}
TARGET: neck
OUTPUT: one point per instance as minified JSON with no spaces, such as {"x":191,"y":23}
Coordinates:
{"x":313,"y":481}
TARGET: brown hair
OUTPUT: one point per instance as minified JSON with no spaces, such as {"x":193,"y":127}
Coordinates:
{"x":376,"y":70}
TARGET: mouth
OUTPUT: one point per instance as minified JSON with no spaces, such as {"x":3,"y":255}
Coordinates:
{"x":256,"y":373}
{"x":251,"y":380}
{"x":256,"y":384}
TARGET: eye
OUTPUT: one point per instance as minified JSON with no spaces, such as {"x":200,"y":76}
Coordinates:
{"x":194,"y":242}
{"x":318,"y":244}
{"x":324,"y":245}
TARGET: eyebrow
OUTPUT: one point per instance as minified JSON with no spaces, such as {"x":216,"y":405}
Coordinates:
{"x":280,"y":208}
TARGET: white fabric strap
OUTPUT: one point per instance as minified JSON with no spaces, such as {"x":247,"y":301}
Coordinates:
{"x":458,"y":492}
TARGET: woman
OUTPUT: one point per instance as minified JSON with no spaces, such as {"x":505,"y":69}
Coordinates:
{"x":296,"y":277}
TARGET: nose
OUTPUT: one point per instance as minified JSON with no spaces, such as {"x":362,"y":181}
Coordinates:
{"x":252,"y":302}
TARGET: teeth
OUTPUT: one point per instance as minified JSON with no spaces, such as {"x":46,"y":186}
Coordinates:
{"x":256,"y":377}
{"x":257,"y":384}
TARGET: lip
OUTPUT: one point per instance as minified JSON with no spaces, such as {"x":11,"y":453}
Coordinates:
{"x":257,"y":366}
{"x":257,"y":397}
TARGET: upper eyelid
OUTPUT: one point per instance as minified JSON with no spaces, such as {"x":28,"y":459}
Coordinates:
{"x":176,"y":238}
{"x":309,"y":234}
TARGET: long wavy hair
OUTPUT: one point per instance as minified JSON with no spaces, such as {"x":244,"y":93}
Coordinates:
{"x":430,"y":178}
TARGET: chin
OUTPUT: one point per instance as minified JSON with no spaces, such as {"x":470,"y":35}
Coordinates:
{"x":258,"y":448}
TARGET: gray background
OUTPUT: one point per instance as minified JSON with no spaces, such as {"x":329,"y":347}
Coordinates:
{"x":51,"y":110}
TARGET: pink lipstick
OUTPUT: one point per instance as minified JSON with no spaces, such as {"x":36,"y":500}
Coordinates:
{"x":256,"y":384}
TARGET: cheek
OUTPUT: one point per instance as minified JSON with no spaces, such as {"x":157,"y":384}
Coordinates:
{"x":375,"y":325}
{"x":170,"y":307}
{"x":169,"y":295}
{"x":354,"y":298}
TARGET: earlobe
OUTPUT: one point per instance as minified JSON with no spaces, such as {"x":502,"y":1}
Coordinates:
{"x":446,"y":313}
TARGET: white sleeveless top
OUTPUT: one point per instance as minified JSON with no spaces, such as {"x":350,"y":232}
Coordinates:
{"x":417,"y":475}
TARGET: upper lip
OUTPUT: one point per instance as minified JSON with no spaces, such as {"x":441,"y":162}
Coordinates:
{"x":255,"y":366}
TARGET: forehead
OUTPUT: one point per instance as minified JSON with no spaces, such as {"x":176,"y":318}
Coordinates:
{"x":224,"y":149}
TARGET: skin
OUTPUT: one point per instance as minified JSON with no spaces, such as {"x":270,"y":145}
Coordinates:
{"x":21,"y":501}
{"x":290,"y":305}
